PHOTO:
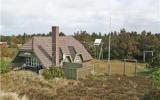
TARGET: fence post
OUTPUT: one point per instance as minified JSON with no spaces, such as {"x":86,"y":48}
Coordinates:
{"x":124,"y":71}
{"x":77,"y":74}
{"x":94,"y":69}
{"x":144,"y":57}
{"x":136,"y":68}
{"x":109,"y":69}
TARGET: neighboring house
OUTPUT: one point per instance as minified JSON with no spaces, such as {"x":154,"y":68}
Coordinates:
{"x":19,"y":45}
{"x":43,"y":52}
{"x":3,"y":45}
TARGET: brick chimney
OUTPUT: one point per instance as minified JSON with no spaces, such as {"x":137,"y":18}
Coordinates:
{"x":55,"y":47}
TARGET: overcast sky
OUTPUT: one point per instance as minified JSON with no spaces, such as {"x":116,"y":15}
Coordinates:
{"x":37,"y":16}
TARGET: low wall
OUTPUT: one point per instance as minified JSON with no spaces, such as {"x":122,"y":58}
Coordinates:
{"x":77,"y":71}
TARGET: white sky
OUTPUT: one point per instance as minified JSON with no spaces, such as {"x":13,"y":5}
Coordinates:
{"x":37,"y":16}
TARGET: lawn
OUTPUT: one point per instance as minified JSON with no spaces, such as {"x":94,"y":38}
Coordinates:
{"x":117,"y":67}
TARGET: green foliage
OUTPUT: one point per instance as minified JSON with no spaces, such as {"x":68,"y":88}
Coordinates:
{"x":4,"y":65}
{"x":154,"y":92}
{"x":53,"y":72}
{"x":123,"y":44}
{"x":156,"y":61}
{"x":156,"y":75}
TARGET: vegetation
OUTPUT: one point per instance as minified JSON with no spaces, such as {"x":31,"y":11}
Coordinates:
{"x":11,"y":96}
{"x":35,"y":87}
{"x":8,"y":52}
{"x":5,"y":59}
{"x":156,"y":61}
{"x":123,"y":44}
{"x":117,"y":67}
{"x":4,"y":65}
{"x":53,"y":72}
{"x":27,"y":83}
{"x":154,"y":92}
{"x":156,"y":75}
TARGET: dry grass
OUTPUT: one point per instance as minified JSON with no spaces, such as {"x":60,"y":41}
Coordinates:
{"x":11,"y":96}
{"x":23,"y":85}
{"x":32,"y":85}
{"x":115,"y":87}
{"x":117,"y":67}
{"x":20,"y":85}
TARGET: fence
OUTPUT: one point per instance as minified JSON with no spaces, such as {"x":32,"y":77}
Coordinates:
{"x":85,"y":71}
{"x":125,"y":67}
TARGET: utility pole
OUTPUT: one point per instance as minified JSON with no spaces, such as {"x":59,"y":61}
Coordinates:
{"x":109,"y":41}
{"x":109,"y":50}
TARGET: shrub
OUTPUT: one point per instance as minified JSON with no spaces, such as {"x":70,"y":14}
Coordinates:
{"x":156,"y":62}
{"x":53,"y":72}
{"x":154,"y":91}
{"x":4,"y":65}
{"x":156,"y":75}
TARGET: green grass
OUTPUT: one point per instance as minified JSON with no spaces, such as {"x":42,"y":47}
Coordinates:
{"x":5,"y":65}
{"x":117,"y":67}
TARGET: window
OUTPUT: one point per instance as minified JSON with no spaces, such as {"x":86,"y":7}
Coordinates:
{"x":32,"y":62}
{"x":78,"y":59}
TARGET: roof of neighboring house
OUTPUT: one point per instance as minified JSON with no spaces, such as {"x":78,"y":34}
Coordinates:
{"x":42,"y":47}
{"x":3,"y":42}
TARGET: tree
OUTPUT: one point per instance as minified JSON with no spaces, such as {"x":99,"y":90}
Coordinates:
{"x":14,"y":41}
{"x":61,"y":34}
{"x":127,"y":45}
{"x":156,"y":61}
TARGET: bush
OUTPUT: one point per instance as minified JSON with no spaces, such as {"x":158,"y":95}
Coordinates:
{"x":156,"y":75}
{"x":156,"y":62}
{"x":53,"y":72}
{"x":4,"y":65}
{"x":154,"y":91}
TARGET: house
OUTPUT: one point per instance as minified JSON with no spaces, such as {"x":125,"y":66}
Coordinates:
{"x":3,"y":45}
{"x":43,"y":52}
